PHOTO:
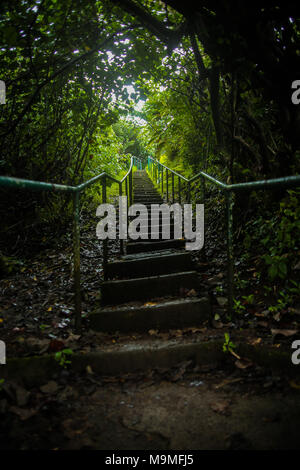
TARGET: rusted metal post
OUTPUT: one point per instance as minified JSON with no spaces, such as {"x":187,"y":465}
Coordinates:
{"x":230,"y":254}
{"x":76,"y":259}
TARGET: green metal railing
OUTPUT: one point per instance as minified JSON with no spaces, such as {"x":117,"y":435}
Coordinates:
{"x":23,"y":184}
{"x":157,"y":170}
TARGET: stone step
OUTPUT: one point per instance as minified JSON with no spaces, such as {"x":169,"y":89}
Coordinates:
{"x":153,"y":263}
{"x":148,"y":204}
{"x":144,"y":288}
{"x":147,"y":200}
{"x":145,"y":246}
{"x":178,"y":313}
{"x":146,"y":193}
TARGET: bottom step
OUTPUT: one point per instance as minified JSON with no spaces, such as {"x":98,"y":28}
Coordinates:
{"x":174,"y":314}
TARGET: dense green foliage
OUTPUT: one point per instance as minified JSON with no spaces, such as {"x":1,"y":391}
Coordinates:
{"x":215,"y":78}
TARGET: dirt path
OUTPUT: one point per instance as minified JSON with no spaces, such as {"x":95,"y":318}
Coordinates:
{"x":186,"y":408}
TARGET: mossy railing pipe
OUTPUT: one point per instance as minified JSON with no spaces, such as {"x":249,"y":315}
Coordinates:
{"x":229,"y":190}
{"x":30,"y":185}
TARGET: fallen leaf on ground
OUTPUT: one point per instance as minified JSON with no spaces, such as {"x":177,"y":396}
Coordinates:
{"x":217,"y":324}
{"x":294,"y":310}
{"x":197,"y":330}
{"x":220,"y":407}
{"x":294,"y":384}
{"x":181,"y":371}
{"x":191,"y":293}
{"x":255,"y":341}
{"x":263,"y":324}
{"x":284,"y":332}
{"x":243,"y":363}
{"x":153,"y":332}
{"x":227,"y":382}
{"x":277,"y":317}
{"x":23,"y":413}
{"x":72,"y":337}
{"x":50,"y":387}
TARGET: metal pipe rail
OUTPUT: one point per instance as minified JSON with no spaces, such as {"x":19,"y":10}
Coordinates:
{"x":229,"y":190}
{"x":30,"y":185}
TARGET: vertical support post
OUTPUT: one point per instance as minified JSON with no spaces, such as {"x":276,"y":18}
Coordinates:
{"x":126,"y":190}
{"x":179,"y":190}
{"x":203,"y":189}
{"x":76,"y":259}
{"x":121,"y":240}
{"x":173,"y":189}
{"x":104,"y":200}
{"x":188,"y":192}
{"x":130,"y":188}
{"x":230,"y":254}
{"x":162,"y":181}
{"x":203,"y":202}
{"x":167,"y":184}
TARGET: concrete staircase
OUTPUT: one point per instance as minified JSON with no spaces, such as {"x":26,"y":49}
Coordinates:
{"x":153,"y":286}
